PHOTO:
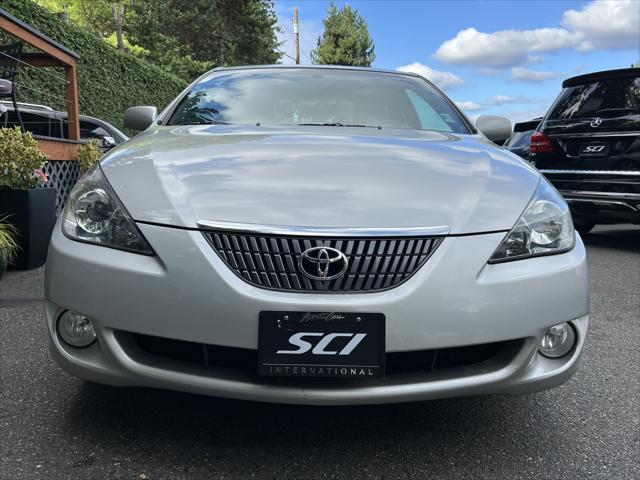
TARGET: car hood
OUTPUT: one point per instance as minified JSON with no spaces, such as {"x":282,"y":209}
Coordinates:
{"x":319,"y":177}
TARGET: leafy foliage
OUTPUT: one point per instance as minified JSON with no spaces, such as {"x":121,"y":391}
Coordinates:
{"x":109,"y":81}
{"x":94,"y":15}
{"x":345,"y":40}
{"x":21,"y":161}
{"x":88,"y":154}
{"x":164,"y":49}
{"x":192,"y":36}
{"x":184,"y":37}
{"x":128,"y":46}
{"x":8,"y":244}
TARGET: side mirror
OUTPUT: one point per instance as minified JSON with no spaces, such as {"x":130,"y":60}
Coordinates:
{"x":6,"y":87}
{"x":107,"y":143}
{"x":139,"y":118}
{"x":496,"y":129}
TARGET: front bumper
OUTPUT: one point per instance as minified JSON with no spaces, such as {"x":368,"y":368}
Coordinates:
{"x":599,"y":196}
{"x":186,"y":293}
{"x":604,"y":206}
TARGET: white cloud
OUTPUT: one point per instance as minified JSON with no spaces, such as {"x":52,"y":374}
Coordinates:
{"x":601,"y":24}
{"x":606,"y":24}
{"x":504,"y":48}
{"x":501,"y":99}
{"x":444,"y":80}
{"x":532,"y":76}
{"x":469,"y":106}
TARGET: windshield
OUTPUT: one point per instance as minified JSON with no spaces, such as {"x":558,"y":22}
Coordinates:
{"x":606,"y":98}
{"x":317,"y":97}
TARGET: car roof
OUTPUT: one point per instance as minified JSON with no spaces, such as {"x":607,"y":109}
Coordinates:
{"x":280,"y":66}
{"x":46,"y":111}
{"x":602,"y":75}
{"x":27,"y":106}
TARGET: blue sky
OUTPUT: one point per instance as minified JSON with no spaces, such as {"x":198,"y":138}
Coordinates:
{"x":492,"y":57}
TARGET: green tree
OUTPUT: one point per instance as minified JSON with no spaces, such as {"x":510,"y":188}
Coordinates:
{"x":190,"y":36}
{"x":102,"y":17}
{"x":184,"y":37}
{"x":345,"y":40}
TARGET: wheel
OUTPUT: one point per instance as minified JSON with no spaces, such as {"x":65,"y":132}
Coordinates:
{"x":583,"y":226}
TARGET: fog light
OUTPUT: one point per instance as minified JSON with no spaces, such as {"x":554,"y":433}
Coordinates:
{"x":557,"y":341}
{"x":76,"y":329}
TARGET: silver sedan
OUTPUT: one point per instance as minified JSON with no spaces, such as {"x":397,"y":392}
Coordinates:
{"x":316,"y":235}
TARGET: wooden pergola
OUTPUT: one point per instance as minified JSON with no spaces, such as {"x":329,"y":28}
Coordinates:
{"x":50,"y":54}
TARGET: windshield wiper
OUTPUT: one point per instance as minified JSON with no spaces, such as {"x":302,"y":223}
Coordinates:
{"x":336,"y":124}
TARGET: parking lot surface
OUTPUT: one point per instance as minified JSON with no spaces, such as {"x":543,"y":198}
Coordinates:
{"x":54,"y":426}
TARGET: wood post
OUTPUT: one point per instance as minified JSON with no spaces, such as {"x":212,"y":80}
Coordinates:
{"x":53,"y":55}
{"x":73,"y":108}
{"x":296,"y":31}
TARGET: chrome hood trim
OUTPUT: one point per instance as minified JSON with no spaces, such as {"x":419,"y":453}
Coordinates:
{"x":329,"y":232}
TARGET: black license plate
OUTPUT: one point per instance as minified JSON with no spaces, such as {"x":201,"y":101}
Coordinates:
{"x":321,"y":344}
{"x":594,"y":148}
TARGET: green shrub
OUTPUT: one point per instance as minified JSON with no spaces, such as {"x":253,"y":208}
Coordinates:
{"x":21,"y":161}
{"x":88,"y":154}
{"x":109,"y":81}
{"x":8,"y":245}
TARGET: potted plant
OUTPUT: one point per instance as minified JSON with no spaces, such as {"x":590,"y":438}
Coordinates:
{"x":23,"y":195}
{"x":88,"y":154}
{"x":8,"y":245}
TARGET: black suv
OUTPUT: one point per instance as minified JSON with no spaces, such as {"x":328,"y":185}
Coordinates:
{"x":588,"y":146}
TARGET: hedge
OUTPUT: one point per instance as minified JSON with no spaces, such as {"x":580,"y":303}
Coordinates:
{"x":109,"y":81}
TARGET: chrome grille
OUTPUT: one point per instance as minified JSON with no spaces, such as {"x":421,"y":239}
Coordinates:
{"x":271,"y":261}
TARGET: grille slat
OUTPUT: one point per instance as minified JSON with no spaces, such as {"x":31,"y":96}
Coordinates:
{"x":272,"y":261}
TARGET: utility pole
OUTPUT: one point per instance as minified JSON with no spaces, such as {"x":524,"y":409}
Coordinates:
{"x":296,"y":32}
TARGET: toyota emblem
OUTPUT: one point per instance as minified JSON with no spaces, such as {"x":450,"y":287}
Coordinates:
{"x":323,"y":263}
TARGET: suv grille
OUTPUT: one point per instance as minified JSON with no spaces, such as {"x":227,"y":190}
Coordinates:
{"x":271,"y":261}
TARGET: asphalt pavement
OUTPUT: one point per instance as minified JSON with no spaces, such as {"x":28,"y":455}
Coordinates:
{"x":53,"y":426}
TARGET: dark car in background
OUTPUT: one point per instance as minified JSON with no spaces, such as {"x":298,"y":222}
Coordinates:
{"x":45,"y":121}
{"x":588,"y":146}
{"x":520,"y":139}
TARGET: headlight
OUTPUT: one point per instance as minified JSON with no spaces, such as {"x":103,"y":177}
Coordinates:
{"x":95,"y":215}
{"x":545,"y":228}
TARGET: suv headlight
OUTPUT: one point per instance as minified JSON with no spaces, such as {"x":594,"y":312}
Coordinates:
{"x":545,"y":228}
{"x":94,"y":214}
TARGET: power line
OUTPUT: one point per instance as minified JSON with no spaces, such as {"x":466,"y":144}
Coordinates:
{"x":31,"y":66}
{"x":265,"y":42}
{"x":27,"y":87}
{"x":285,"y":54}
